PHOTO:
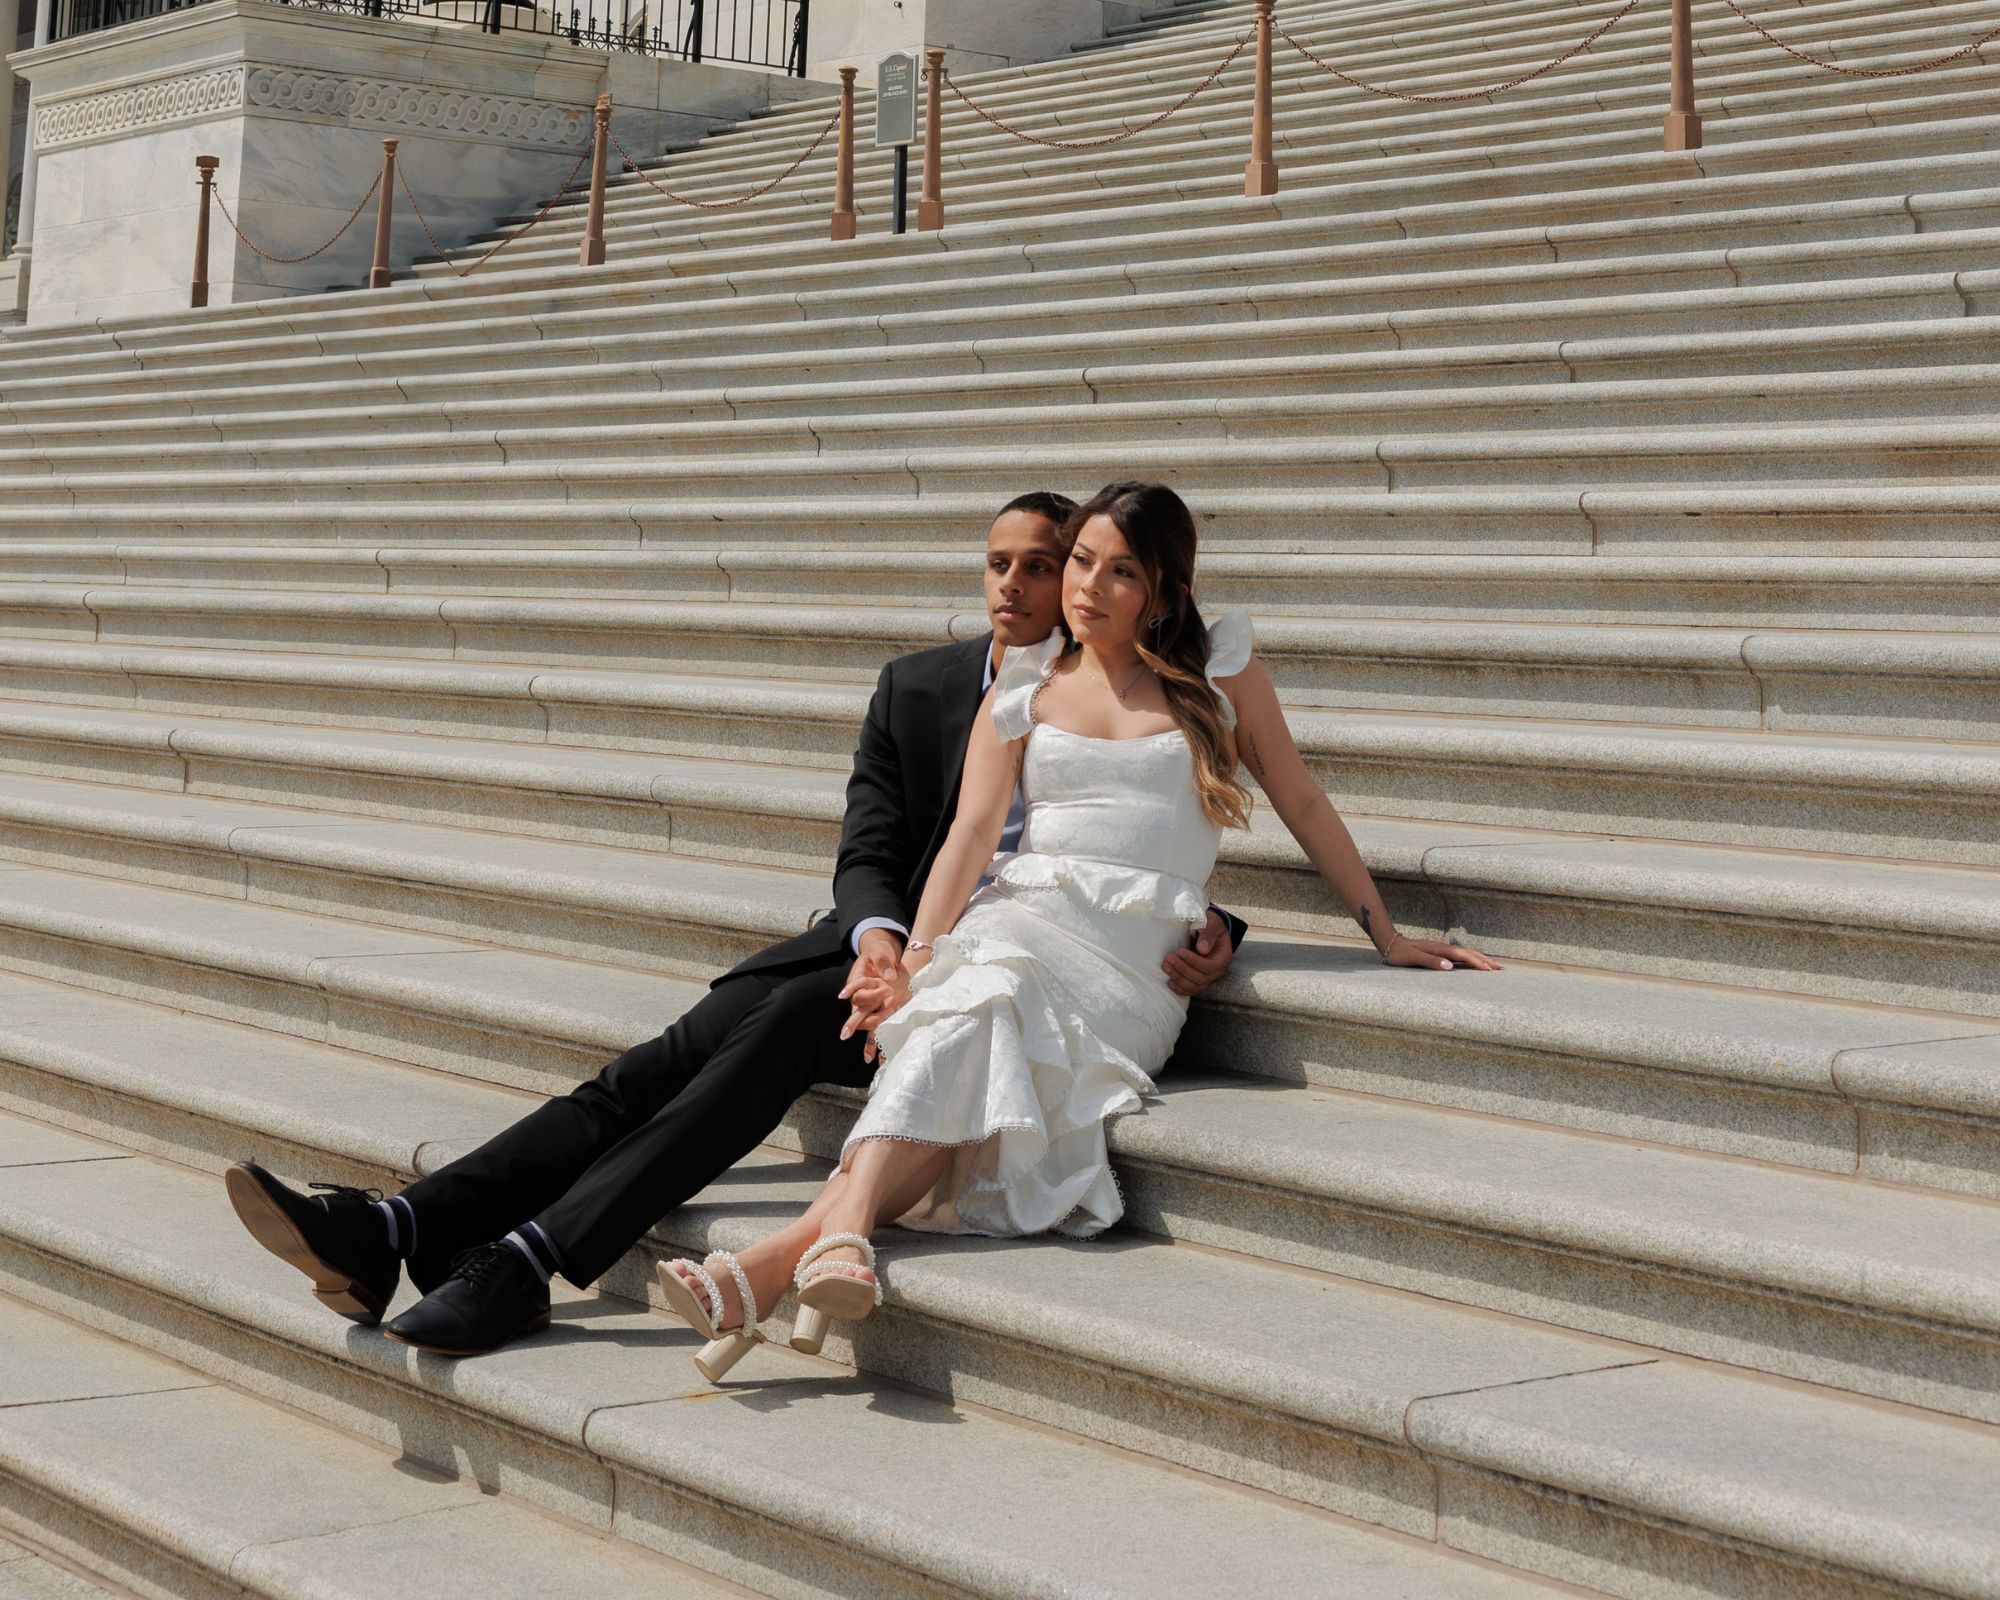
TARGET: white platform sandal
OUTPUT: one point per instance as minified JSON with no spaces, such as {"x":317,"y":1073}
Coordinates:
{"x":726,"y":1346}
{"x":828,"y":1289}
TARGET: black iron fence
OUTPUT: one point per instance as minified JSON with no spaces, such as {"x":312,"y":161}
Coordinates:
{"x":757,"y":33}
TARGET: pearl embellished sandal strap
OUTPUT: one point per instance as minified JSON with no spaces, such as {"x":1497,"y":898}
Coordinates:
{"x":810,"y":1268}
{"x":743,"y":1290}
{"x":710,"y":1287}
{"x":838,"y":1241}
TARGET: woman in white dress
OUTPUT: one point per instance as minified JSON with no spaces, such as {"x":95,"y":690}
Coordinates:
{"x":1031,"y":1007}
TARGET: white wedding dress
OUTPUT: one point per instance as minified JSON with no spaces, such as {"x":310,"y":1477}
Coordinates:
{"x":1045,"y":1011}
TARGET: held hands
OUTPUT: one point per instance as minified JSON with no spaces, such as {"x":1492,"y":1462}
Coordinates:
{"x":1193,"y":969}
{"x":877,"y":985}
{"x":1439,"y":957}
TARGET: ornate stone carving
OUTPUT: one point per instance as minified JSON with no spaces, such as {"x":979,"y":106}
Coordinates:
{"x":141,"y":105}
{"x":363,"y":101}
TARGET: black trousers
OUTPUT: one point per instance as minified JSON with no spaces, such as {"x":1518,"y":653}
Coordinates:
{"x":600,"y":1165}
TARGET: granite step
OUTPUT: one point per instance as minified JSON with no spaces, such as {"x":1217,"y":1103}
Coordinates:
{"x":1783,"y":1079}
{"x":1752,"y":520}
{"x":1340,"y":279}
{"x":521,"y":435}
{"x":1353,"y":1373}
{"x":640,"y":219}
{"x":156,"y":1477}
{"x":1291,"y":1007}
{"x":1298,"y":1177}
{"x":1919,"y":453}
{"x":726,"y":811}
{"x":1896,"y":683}
{"x":1889,"y":799}
{"x":1626,"y":65}
{"x":1319,"y":186}
{"x":1616,"y":90}
{"x":596,"y":1422}
{"x":972,"y":411}
{"x":1246,"y":322}
{"x":1839,"y":927}
{"x":1933,"y":594}
{"x":1718,"y":212}
{"x":620,"y":391}
{"x":29,"y":1572}
{"x":983,"y":182}
{"x":1354,"y":244}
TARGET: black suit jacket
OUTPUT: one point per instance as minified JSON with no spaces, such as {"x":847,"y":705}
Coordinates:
{"x":901,"y":798}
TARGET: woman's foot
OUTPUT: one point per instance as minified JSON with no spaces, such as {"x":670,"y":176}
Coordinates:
{"x":849,"y":1261}
{"x":769,"y":1278}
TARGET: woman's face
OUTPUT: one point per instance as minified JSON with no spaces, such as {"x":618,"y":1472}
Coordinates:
{"x":1105,"y":591}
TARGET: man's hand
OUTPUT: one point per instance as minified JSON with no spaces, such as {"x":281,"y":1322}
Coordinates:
{"x":1193,"y":969}
{"x":871,"y":983}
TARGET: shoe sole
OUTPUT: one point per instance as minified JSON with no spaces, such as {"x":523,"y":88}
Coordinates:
{"x":534,"y":1325}
{"x":277,"y":1233}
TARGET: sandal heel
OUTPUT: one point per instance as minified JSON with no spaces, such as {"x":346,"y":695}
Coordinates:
{"x":724,"y":1348}
{"x":809,"y":1329}
{"x":827,"y":1292}
{"x":715,"y":1358}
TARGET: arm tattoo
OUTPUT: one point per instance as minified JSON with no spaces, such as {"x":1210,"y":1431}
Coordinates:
{"x":1366,"y":911}
{"x":1256,"y":756}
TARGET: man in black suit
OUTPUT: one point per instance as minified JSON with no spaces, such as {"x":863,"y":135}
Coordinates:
{"x":572,"y":1185}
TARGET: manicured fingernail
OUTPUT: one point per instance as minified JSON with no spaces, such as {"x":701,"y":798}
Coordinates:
{"x":1447,"y":966}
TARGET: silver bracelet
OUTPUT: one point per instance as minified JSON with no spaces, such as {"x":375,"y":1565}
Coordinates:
{"x":919,"y":944}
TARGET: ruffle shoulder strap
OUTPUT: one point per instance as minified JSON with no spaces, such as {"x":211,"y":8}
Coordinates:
{"x":1229,"y":645}
{"x":1021,"y":672}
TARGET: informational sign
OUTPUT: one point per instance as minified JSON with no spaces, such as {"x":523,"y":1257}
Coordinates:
{"x":896,"y":100}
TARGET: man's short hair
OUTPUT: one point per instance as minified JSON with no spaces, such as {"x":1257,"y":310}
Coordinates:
{"x":1044,"y":503}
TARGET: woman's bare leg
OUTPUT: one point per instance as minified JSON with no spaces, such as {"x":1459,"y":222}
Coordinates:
{"x":884,"y":1179}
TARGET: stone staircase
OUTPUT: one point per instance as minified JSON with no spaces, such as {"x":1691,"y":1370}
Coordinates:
{"x":408,"y":699}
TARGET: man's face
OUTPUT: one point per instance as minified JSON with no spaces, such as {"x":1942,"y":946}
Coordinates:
{"x":1024,"y":565}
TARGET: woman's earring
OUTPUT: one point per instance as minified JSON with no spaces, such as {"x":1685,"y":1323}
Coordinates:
{"x":1157,"y":621}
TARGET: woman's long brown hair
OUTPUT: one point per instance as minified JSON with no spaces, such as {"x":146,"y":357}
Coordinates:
{"x":1160,"y":530}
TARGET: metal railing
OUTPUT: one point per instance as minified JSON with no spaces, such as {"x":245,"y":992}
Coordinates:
{"x":756,"y":33}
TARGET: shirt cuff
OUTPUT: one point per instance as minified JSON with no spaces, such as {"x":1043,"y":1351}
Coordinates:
{"x":861,"y":927}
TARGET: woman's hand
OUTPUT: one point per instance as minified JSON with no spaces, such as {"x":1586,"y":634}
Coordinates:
{"x":1438,"y":957}
{"x":875,"y":1000}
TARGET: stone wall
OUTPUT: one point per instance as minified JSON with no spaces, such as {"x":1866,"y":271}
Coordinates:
{"x":975,"y":34}
{"x":295,"y":104}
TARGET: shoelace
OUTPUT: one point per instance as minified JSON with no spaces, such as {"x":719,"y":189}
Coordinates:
{"x":478,"y":1265}
{"x":347,"y":1191}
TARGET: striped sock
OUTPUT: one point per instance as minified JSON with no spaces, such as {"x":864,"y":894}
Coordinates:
{"x":401,"y":1222}
{"x":537,"y":1247}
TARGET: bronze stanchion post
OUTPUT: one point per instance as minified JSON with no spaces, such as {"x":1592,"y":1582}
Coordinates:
{"x":1683,"y":121}
{"x":930,"y":205}
{"x":592,"y":253}
{"x":198,"y":290}
{"x":843,"y":168}
{"x":378,"y":277}
{"x":1260,"y":177}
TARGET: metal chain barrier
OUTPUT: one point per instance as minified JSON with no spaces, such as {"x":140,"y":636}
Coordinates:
{"x":1474,"y":94}
{"x":742,"y":199}
{"x":293,"y":261}
{"x":424,"y":222}
{"x":1116,"y":138}
{"x":1862,"y":72}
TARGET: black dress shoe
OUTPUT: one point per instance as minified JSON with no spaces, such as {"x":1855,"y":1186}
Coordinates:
{"x":492,"y":1296}
{"x":335,"y":1238}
